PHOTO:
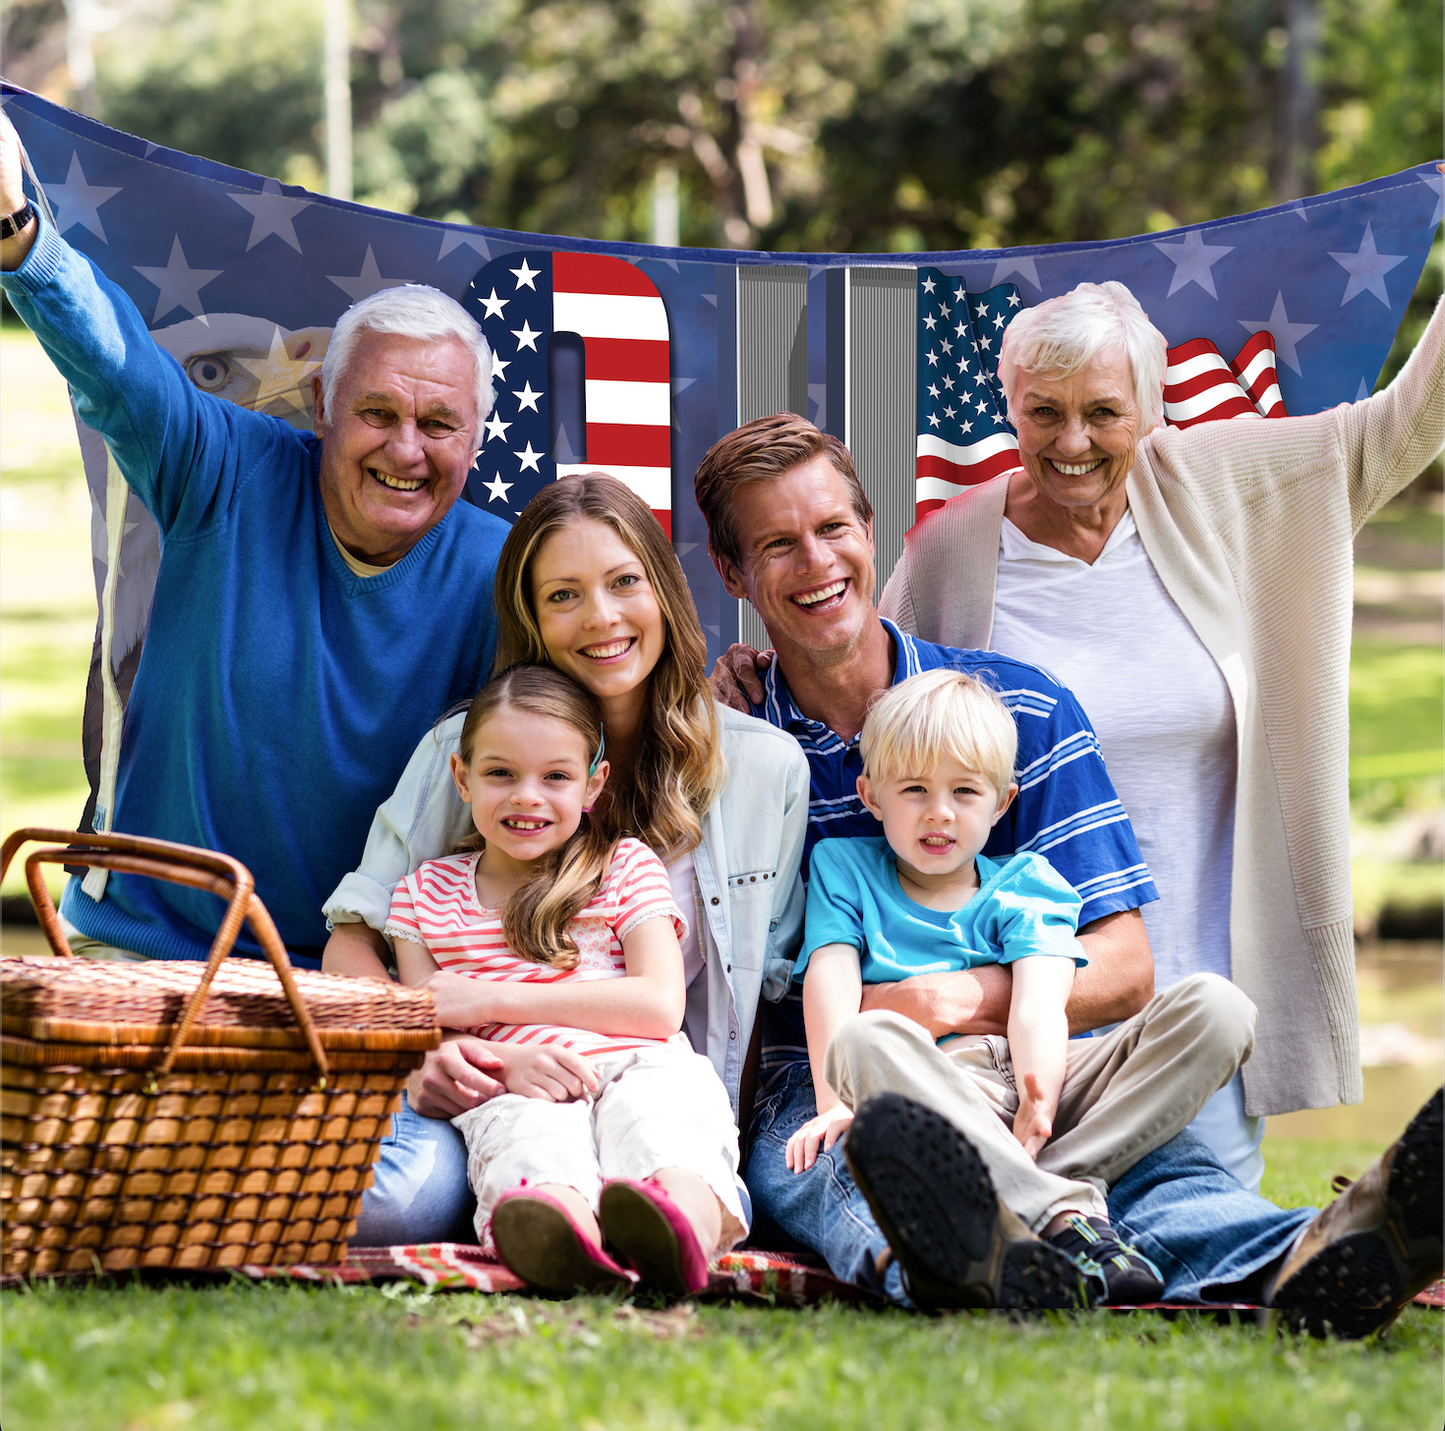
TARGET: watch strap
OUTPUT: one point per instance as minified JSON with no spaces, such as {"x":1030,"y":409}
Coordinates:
{"x":13,"y":223}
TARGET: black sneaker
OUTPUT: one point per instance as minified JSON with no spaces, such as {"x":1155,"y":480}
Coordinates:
{"x":1376,"y":1245}
{"x":934,"y":1201}
{"x":1119,"y":1275}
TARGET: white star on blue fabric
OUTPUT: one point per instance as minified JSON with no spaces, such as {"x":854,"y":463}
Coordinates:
{"x":495,"y":426}
{"x":1437,"y":183}
{"x":463,"y":238}
{"x":929,"y":285}
{"x":272,"y":213}
{"x":1026,"y":267}
{"x":525,"y":275}
{"x":528,"y":398}
{"x":526,"y":336}
{"x":1367,"y":269}
{"x":180,"y":285}
{"x":76,"y":201}
{"x":497,"y":489}
{"x":494,"y":305}
{"x":500,"y":365}
{"x":1285,"y":333}
{"x":529,"y":459}
{"x":1192,"y":261}
{"x":367,"y":282}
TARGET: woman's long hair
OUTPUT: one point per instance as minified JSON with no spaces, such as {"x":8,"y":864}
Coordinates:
{"x":536,"y":917}
{"x":678,"y":769}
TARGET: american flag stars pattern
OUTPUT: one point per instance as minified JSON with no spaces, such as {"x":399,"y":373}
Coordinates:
{"x":521,"y":301}
{"x":964,"y":436}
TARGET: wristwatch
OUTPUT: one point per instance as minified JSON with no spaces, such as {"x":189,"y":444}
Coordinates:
{"x":12,"y":225}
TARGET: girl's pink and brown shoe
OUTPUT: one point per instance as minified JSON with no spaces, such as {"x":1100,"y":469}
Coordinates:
{"x":538,"y":1239}
{"x":646,"y":1227}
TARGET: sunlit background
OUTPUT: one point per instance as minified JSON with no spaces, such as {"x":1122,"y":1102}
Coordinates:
{"x":864,"y":125}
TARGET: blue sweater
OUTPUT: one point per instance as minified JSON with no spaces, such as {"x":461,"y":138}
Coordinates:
{"x":278,"y":695}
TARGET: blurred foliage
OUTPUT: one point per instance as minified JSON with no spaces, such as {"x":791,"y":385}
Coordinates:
{"x":793,"y":124}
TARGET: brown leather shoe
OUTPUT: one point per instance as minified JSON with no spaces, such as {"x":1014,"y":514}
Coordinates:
{"x":1378,"y":1244}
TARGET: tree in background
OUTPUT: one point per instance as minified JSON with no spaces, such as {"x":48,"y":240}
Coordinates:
{"x":835,"y":124}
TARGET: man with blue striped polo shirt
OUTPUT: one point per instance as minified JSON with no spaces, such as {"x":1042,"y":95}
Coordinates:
{"x":790,"y":529}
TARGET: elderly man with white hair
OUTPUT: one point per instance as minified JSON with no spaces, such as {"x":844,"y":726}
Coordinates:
{"x":1193,"y":588}
{"x":321,"y":598}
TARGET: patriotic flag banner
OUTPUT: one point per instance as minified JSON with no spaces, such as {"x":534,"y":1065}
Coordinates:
{"x":1254,"y":365}
{"x":242,"y":279}
{"x":964,"y":436}
{"x":1199,"y":386}
{"x":626,"y":429}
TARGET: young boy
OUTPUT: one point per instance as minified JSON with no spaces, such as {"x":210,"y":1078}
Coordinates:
{"x":938,"y":753}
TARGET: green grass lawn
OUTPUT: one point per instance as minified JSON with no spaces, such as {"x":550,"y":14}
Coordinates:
{"x":242,"y":1356}
{"x":237,"y":1355}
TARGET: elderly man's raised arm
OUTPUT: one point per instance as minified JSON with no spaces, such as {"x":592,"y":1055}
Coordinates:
{"x":12,"y":199}
{"x":183,"y":464}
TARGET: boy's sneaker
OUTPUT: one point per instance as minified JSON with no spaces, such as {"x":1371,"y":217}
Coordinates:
{"x":934,"y":1201}
{"x":1119,"y":1275}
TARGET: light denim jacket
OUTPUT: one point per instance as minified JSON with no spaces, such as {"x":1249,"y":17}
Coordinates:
{"x":745,"y":884}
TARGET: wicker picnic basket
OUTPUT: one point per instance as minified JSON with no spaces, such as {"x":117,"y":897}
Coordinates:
{"x":180,"y":1115}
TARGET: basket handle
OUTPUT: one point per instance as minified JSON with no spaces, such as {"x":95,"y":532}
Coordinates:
{"x":208,"y":870}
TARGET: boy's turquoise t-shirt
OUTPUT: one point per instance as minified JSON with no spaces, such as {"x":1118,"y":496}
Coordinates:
{"x":1023,"y":907}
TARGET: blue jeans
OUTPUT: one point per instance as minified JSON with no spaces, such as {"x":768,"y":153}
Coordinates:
{"x":821,"y":1210}
{"x":419,"y":1189}
{"x":1210,"y":1237}
{"x":1206,"y":1233}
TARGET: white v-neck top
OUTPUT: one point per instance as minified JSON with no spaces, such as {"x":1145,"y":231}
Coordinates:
{"x":1162,"y":712}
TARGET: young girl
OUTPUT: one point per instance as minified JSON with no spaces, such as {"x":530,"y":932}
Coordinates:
{"x":559,"y":945}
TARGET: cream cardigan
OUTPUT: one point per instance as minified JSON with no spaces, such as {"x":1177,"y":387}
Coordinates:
{"x":1249,"y":525}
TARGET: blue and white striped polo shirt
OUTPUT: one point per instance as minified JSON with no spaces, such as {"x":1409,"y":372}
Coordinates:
{"x":1066,"y":807}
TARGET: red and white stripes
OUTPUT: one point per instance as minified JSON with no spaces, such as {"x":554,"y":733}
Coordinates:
{"x":620,"y":317}
{"x":1254,"y":366}
{"x":1200,"y":386}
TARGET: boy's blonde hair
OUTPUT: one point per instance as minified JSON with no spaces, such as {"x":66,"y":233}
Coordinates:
{"x":914,"y":725}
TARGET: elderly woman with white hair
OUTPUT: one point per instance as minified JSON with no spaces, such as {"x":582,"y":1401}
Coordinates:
{"x":1193,"y":588}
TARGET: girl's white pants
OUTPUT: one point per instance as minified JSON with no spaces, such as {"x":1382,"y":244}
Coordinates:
{"x":657,"y":1107}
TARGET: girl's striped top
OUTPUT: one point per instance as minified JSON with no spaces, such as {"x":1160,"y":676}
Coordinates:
{"x":437,"y":907}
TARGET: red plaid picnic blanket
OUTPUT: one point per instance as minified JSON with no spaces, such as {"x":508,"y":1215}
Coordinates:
{"x":769,"y":1276}
{"x":456,"y":1267}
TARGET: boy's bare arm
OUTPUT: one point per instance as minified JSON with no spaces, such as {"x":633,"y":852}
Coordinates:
{"x":832,"y":992}
{"x":1117,"y":983}
{"x":1038,"y":1036}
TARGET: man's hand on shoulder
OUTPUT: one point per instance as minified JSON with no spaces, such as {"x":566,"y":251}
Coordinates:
{"x":737,"y":677}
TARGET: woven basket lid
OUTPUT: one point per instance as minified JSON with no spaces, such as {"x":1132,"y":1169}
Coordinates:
{"x":86,"y":1000}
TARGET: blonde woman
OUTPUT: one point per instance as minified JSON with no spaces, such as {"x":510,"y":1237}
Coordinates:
{"x":587,"y":582}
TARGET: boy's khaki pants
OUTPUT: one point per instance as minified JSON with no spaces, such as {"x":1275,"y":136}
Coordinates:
{"x":1125,"y":1093}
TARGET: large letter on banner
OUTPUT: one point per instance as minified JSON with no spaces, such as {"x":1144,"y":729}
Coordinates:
{"x":525,"y":301}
